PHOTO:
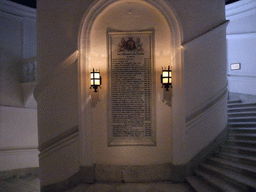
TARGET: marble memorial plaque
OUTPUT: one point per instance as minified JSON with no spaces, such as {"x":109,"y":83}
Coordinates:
{"x":131,"y":94}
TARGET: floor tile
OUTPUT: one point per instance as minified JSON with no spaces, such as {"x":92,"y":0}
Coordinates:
{"x":132,"y":187}
{"x":99,"y":188}
{"x":32,"y":184}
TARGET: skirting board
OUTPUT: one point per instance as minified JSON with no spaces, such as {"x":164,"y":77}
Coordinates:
{"x":18,"y":158}
{"x":33,"y":171}
{"x":137,"y":173}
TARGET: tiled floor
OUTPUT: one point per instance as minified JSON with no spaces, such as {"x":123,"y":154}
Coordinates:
{"x":32,"y":184}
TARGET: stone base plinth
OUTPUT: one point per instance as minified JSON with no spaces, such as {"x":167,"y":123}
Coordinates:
{"x":132,"y":173}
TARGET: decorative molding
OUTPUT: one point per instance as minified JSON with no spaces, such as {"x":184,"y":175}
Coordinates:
{"x":242,"y":76}
{"x":18,"y":150}
{"x":240,"y":9}
{"x":241,"y":35}
{"x":14,"y":9}
{"x":58,"y":142}
{"x":204,"y":109}
{"x":215,"y":30}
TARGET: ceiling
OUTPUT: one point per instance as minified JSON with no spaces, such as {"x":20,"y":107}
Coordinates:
{"x":32,"y":3}
{"x":230,"y":1}
{"x":29,"y":3}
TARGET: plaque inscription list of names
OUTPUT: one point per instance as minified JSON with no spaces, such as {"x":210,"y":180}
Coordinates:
{"x":131,"y":87}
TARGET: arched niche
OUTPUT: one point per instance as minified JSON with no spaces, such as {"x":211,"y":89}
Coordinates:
{"x":130,"y":15}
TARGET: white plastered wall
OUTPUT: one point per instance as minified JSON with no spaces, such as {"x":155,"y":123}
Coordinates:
{"x":205,"y":89}
{"x":57,"y":91}
{"x":18,"y":114}
{"x":241,"y":40}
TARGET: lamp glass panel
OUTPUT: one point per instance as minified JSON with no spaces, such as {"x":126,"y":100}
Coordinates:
{"x":97,"y":82}
{"x":165,"y":73}
{"x":170,"y":73}
{"x":96,"y":75}
{"x":92,"y":82}
{"x":91,"y":75}
{"x":165,"y":80}
{"x":170,"y":80}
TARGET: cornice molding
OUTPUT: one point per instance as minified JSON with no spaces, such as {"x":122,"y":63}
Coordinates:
{"x":240,"y":9}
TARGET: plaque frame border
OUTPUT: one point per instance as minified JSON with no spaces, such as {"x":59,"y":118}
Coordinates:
{"x":149,"y":141}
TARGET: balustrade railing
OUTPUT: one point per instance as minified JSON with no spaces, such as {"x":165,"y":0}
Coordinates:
{"x":29,"y":70}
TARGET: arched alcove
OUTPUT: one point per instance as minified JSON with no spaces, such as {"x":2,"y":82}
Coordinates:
{"x":130,"y":15}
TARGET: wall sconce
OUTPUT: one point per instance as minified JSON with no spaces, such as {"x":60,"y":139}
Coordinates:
{"x":166,"y":78}
{"x":95,"y":80}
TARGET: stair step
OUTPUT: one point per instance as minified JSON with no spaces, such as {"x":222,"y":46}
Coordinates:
{"x":198,"y":185}
{"x":241,"y":109}
{"x":235,"y":105}
{"x":242,"y":124}
{"x":246,"y":136}
{"x":245,"y":159}
{"x":240,"y":150}
{"x":242,"y":130}
{"x":216,"y":182}
{"x":234,"y":101}
{"x":241,"y":142}
{"x":236,"y":178}
{"x":242,"y":114}
{"x":242,"y":119}
{"x":249,"y":169}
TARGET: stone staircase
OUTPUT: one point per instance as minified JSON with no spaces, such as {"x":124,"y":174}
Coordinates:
{"x":233,"y":167}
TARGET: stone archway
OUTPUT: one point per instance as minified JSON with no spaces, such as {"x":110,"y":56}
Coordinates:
{"x":94,"y":18}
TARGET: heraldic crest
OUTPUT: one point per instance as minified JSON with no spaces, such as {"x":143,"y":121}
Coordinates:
{"x":130,"y":45}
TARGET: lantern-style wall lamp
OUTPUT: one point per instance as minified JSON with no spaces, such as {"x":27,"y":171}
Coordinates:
{"x":95,"y":80}
{"x":166,"y":78}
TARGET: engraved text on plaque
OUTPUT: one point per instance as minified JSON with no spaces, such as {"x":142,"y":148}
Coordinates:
{"x":131,"y":118}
